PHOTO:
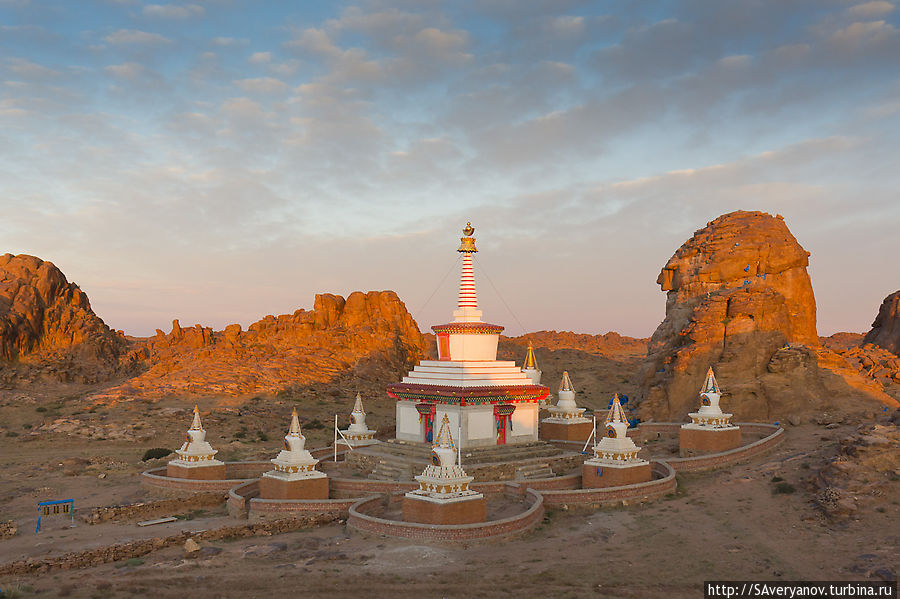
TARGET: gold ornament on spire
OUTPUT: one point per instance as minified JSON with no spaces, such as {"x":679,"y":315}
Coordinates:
{"x":467,"y":243}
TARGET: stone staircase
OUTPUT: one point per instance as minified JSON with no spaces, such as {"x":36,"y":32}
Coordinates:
{"x":532,"y":471}
{"x":402,"y":460}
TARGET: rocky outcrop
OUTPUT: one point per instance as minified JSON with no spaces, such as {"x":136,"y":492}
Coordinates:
{"x":885,"y":331}
{"x":608,"y":344}
{"x":863,"y":474}
{"x":739,"y":298}
{"x":278,"y":353}
{"x":45,"y":320}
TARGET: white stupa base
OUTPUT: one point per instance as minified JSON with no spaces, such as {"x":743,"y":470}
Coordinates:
{"x":203,"y":462}
{"x":444,"y":498}
{"x":293,"y":476}
{"x":357,"y":439}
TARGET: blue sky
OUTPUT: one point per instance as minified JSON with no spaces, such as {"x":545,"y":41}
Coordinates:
{"x":219,"y":161}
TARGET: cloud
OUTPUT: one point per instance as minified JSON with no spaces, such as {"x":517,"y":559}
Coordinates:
{"x":868,"y":10}
{"x":867,"y":32}
{"x":133,"y":36}
{"x":260,"y":58}
{"x":127,"y":70}
{"x":173,"y":11}
{"x":29,"y":70}
{"x":262,"y":85}
{"x":229,"y":41}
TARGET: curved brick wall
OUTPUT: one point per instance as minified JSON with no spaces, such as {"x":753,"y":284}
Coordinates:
{"x":774,"y":437}
{"x":527,"y":520}
{"x":662,"y":484}
{"x":157,"y":480}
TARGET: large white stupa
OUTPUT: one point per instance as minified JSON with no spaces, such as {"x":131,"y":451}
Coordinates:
{"x":489,"y":401}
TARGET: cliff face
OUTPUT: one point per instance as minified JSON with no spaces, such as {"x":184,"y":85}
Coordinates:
{"x":885,"y":331}
{"x":367,"y":330}
{"x":739,"y":299}
{"x":47,"y":321}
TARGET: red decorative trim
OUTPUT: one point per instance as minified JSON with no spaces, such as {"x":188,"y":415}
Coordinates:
{"x":471,"y":328}
{"x":446,"y":394}
{"x":504,"y":410}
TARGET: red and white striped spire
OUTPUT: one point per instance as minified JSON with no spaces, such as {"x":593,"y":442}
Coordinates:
{"x":467,"y":304}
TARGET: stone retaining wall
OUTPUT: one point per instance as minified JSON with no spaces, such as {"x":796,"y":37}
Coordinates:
{"x":662,"y":484}
{"x":113,"y":553}
{"x":153,"y":509}
{"x":362,"y":518}
{"x":267,"y":509}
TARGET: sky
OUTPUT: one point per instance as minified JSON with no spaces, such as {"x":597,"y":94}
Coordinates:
{"x":217,"y":161}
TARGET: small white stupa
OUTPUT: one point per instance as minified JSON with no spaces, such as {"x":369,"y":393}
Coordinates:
{"x":566,"y":408}
{"x":295,"y":475}
{"x":444,"y":496}
{"x":530,"y":367}
{"x":566,"y":421}
{"x":615,"y":460}
{"x":196,"y":458}
{"x":358,"y":434}
{"x":710,"y":414}
{"x":710,"y":430}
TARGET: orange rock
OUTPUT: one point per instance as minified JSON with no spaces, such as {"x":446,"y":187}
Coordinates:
{"x":885,"y":331}
{"x":47,"y":321}
{"x":739,"y":299}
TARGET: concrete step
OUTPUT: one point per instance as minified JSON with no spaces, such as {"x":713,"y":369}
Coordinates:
{"x":532,"y":471}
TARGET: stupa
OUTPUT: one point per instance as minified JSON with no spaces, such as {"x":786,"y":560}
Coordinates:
{"x":358,"y":434}
{"x":295,"y":475}
{"x":530,"y":366}
{"x":491,"y":402}
{"x":444,"y":496}
{"x":196,"y":458}
{"x":710,"y":430}
{"x":566,"y":421}
{"x":615,"y":462}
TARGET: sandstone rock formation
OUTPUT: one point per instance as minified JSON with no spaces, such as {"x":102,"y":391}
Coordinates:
{"x":885,"y":331}
{"x":277,"y":353}
{"x":739,"y":298}
{"x":47,"y":321}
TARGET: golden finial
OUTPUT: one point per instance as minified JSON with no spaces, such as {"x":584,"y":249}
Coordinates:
{"x":467,"y":243}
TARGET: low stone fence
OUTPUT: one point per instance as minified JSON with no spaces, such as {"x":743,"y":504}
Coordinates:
{"x":662,"y":484}
{"x":153,"y":509}
{"x":363,"y":518}
{"x":773,"y":436}
{"x":121,"y":551}
{"x":8,"y":529}
{"x":266,"y":509}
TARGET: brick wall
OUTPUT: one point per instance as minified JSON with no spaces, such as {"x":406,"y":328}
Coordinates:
{"x":663,"y":483}
{"x":360,"y":519}
{"x":774,"y":437}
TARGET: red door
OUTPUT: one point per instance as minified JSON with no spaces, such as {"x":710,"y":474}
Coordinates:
{"x":503,"y":421}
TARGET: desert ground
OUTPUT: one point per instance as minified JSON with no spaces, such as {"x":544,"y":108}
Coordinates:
{"x":728,"y":524}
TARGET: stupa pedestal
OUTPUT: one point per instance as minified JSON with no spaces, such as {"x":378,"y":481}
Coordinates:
{"x":444,"y":496}
{"x":710,"y":430}
{"x":196,"y":458}
{"x":615,"y":462}
{"x":295,"y":475}
{"x":357,"y":434}
{"x":566,"y":421}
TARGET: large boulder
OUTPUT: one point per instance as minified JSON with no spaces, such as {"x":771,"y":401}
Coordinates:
{"x":739,"y":299}
{"x":885,"y":331}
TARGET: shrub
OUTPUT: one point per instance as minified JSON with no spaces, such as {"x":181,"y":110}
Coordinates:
{"x":777,"y":479}
{"x":40,"y":409}
{"x":785,"y":488}
{"x":155,"y":453}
